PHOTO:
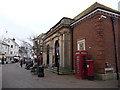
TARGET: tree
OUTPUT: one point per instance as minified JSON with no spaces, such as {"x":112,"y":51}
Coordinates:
{"x":32,"y":37}
{"x":26,"y":49}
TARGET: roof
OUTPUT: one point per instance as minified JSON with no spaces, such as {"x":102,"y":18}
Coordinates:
{"x":93,"y":7}
{"x":63,"y":21}
{"x":3,"y":43}
{"x":12,"y":41}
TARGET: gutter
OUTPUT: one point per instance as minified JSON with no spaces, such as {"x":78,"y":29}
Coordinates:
{"x":72,"y":62}
{"x":116,"y":59}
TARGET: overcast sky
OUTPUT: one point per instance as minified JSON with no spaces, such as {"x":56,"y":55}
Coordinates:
{"x":24,"y":18}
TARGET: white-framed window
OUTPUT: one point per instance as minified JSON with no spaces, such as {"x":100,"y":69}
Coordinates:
{"x":81,"y":44}
{"x":11,"y":52}
{"x":11,"y":46}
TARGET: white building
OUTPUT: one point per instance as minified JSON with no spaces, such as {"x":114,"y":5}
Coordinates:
{"x":13,"y":49}
{"x":4,"y":49}
{"x":25,"y":51}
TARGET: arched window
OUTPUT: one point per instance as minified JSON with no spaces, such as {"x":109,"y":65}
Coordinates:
{"x":48,"y":47}
{"x":56,"y":52}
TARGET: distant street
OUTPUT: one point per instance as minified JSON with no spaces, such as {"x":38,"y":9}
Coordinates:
{"x":17,"y":77}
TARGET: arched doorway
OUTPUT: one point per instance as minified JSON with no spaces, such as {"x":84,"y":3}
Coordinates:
{"x":56,"y":53}
{"x":48,"y":54}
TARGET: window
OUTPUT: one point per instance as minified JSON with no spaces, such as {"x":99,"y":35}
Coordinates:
{"x":11,"y":52}
{"x":81,"y":44}
{"x":41,"y":48}
{"x":11,"y":46}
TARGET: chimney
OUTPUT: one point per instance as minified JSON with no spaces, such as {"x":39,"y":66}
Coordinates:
{"x":13,"y":39}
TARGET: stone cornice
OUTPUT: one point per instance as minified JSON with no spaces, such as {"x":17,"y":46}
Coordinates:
{"x":63,"y":23}
{"x":98,"y":10}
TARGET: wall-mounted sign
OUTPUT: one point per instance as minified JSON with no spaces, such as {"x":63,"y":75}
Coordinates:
{"x":83,"y":52}
{"x":108,"y":69}
{"x":77,"y":52}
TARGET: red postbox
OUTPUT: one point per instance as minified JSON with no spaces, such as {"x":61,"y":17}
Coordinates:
{"x":90,"y":69}
{"x":80,"y":65}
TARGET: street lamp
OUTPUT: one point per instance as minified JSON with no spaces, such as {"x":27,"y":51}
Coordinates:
{"x":2,"y":58}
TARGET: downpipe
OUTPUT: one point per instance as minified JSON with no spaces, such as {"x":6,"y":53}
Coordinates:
{"x":116,"y":61}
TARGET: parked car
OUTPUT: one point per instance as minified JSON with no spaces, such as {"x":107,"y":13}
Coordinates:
{"x":4,"y":62}
{"x":29,"y":63}
{"x":16,"y":60}
{"x":12,"y":61}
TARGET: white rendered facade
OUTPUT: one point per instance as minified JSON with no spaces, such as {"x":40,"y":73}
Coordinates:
{"x":13,"y":48}
{"x":4,"y":49}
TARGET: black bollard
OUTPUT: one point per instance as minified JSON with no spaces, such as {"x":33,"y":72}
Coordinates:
{"x":40,"y":71}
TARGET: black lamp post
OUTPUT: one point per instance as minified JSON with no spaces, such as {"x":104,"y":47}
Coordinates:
{"x":2,"y":58}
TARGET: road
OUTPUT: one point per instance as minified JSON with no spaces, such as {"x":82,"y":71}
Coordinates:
{"x":17,"y":77}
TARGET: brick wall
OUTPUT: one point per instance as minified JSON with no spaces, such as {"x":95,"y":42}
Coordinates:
{"x":99,"y":40}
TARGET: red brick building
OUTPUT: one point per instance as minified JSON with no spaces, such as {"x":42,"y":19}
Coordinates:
{"x":96,"y":30}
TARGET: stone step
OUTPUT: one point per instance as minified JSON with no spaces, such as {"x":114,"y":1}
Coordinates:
{"x":61,"y":70}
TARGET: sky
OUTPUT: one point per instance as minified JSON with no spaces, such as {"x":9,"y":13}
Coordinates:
{"x":21,"y":19}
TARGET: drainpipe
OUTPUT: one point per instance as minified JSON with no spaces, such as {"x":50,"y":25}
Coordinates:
{"x":72,"y":48}
{"x":113,"y":29}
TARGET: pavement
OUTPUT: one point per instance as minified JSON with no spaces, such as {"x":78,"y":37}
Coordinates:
{"x":16,"y":77}
{"x":0,"y":76}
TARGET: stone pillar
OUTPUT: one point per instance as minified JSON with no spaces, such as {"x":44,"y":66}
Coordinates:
{"x":67,"y":49}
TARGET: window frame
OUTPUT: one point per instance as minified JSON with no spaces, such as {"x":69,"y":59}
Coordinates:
{"x":81,"y":41}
